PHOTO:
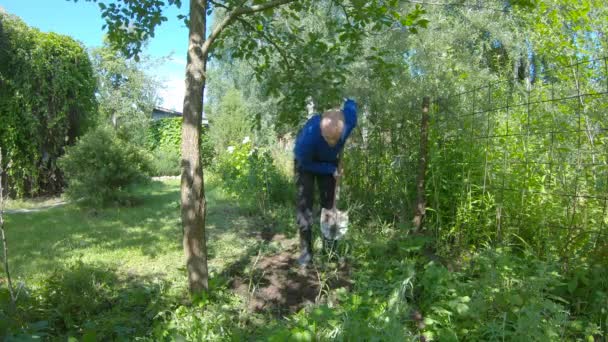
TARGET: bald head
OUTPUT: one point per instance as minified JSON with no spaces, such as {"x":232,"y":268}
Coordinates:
{"x":332,"y":125}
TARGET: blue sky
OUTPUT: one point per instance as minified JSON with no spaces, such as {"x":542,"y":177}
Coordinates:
{"x":82,"y":21}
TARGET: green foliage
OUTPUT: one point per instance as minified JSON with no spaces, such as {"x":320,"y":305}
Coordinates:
{"x":249,"y":173}
{"x":46,"y":102}
{"x":144,"y":16}
{"x":165,"y":134}
{"x":100,"y":168}
{"x":229,"y":119}
{"x":164,"y":141}
{"x":210,"y":318}
{"x":165,"y":163}
{"x":126,"y":94}
{"x":500,"y":297}
{"x":87,"y":302}
{"x":310,"y":48}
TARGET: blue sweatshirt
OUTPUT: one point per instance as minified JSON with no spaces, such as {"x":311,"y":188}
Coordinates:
{"x":312,"y":152}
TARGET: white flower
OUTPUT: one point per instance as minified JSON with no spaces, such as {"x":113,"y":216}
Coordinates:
{"x":230,"y":149}
{"x":246,"y":140}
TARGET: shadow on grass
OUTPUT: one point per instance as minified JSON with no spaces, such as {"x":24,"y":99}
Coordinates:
{"x":90,"y":302}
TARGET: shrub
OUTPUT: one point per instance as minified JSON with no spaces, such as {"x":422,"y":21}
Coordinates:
{"x":499,"y":296}
{"x":249,"y":173}
{"x":47,"y":100}
{"x":100,"y":168}
{"x":165,"y":162}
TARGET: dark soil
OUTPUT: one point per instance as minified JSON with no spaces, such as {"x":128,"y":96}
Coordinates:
{"x":279,"y":285}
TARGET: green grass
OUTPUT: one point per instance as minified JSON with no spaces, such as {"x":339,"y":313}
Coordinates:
{"x":32,"y":203}
{"x":113,"y":273}
{"x":142,"y":240}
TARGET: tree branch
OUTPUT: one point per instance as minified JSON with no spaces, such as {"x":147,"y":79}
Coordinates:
{"x":219,"y":5}
{"x":346,"y":14}
{"x":422,"y":2}
{"x":280,"y":50}
{"x":237,"y":12}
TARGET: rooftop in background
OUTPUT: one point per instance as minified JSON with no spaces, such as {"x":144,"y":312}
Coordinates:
{"x":162,"y":113}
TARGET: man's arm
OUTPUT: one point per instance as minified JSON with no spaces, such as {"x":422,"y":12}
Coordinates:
{"x":350,"y":118}
{"x":304,"y":158}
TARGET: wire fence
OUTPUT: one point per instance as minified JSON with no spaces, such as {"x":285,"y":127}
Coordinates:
{"x":524,"y":160}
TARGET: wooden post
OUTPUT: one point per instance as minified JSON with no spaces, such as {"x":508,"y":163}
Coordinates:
{"x":420,"y":206}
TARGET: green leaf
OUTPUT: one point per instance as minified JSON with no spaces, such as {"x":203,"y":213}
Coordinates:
{"x":422,"y":23}
{"x":572,"y":284}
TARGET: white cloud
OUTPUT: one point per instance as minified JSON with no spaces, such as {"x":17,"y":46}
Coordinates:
{"x":172,"y":93}
{"x":173,"y":88}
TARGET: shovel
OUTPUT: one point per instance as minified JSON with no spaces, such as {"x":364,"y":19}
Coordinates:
{"x":334,"y":223}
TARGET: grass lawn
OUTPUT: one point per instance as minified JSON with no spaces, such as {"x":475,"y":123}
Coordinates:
{"x":33,"y":203}
{"x":112,"y":273}
{"x":143,"y":240}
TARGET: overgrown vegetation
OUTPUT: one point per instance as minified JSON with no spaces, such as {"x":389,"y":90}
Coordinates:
{"x":47,"y":101}
{"x":250,"y":174}
{"x":514,"y":245}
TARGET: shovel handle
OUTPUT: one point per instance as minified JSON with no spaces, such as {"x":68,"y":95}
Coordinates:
{"x":337,"y":181}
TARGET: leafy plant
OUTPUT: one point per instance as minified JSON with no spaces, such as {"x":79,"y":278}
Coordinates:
{"x":88,"y":302}
{"x":249,"y":173}
{"x":100,"y":168}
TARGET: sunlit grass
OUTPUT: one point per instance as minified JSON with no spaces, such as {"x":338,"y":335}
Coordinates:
{"x":145,"y":239}
{"x":15,"y":204}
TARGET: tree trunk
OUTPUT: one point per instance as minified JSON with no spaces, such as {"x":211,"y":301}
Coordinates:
{"x":193,"y":205}
{"x":3,"y":237}
{"x":422,"y":162}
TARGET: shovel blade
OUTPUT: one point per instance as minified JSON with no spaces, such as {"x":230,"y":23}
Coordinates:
{"x":334,"y":223}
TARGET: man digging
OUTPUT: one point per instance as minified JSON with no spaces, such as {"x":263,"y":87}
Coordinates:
{"x":317,"y":149}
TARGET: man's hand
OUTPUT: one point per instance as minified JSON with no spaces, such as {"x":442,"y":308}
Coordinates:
{"x":337,"y":174}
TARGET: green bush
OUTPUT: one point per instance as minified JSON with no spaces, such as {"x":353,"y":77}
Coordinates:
{"x":100,"y":168}
{"x":249,"y":173}
{"x":47,"y":100}
{"x":214,"y":317}
{"x":165,"y":133}
{"x":500,"y":295}
{"x":165,"y":162}
{"x":164,"y":141}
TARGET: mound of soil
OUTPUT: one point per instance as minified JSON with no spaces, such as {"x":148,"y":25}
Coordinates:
{"x":278,"y":284}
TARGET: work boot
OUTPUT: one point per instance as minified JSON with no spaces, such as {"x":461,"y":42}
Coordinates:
{"x":305,"y":248}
